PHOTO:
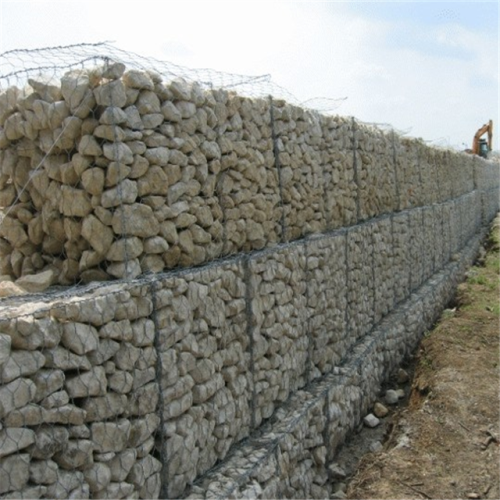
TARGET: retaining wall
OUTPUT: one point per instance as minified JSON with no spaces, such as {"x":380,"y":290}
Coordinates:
{"x":239,"y":377}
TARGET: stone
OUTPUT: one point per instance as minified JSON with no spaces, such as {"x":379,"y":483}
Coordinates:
{"x":14,"y":439}
{"x":142,"y":429}
{"x":337,"y":472}
{"x":77,"y":454}
{"x":74,"y":87}
{"x":88,"y":146}
{"x":68,"y":482}
{"x":80,"y":338}
{"x":14,"y":472}
{"x":80,"y":432}
{"x":376,"y":447}
{"x":391,"y":397}
{"x":97,"y":234}
{"x":98,"y":476}
{"x":127,"y":356}
{"x":47,"y":382}
{"x":67,"y":414}
{"x":111,"y":436}
{"x":5,"y":343}
{"x":21,"y":363}
{"x":402,"y":376}
{"x":118,"y":152}
{"x":134,"y":121}
{"x":47,"y":87}
{"x":10,"y":289}
{"x":48,"y":441}
{"x":112,"y":133}
{"x":115,"y":173}
{"x":121,"y":382}
{"x":170,"y":112}
{"x":105,"y":407}
{"x":74,"y":202}
{"x":125,"y":249}
{"x":138,"y":80}
{"x":400,"y":393}
{"x":113,"y":115}
{"x":91,"y":383}
{"x":143,"y":332}
{"x":59,"y":357}
{"x":124,"y":192}
{"x":36,"y":283}
{"x":55,"y":400}
{"x":121,"y":464}
{"x":16,"y":394}
{"x":111,"y":94}
{"x":153,"y":182}
{"x":43,"y":471}
{"x":113,"y":70}
{"x":157,"y":156}
{"x":380,"y":410}
{"x":115,"y":490}
{"x":371,"y":420}
{"x":144,"y":400}
{"x":135,"y":220}
{"x":143,"y":468}
{"x":148,"y":102}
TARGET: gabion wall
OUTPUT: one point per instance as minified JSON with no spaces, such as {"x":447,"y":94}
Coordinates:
{"x":348,"y":242}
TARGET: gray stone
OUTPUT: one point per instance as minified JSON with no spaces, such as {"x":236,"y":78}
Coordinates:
{"x":121,"y":382}
{"x":143,"y":332}
{"x":111,"y":436}
{"x":58,"y":357}
{"x":144,"y":400}
{"x":104,"y":407}
{"x":55,"y":400}
{"x":138,"y":80}
{"x":5,"y":343}
{"x":21,"y":363}
{"x":118,"y":152}
{"x":97,"y":234}
{"x":111,"y":94}
{"x":39,"y":282}
{"x":67,"y":482}
{"x":91,"y":383}
{"x":113,"y":115}
{"x":142,"y":429}
{"x":16,"y":394}
{"x":98,"y":476}
{"x":77,"y":454}
{"x":80,"y":338}
{"x":371,"y":420}
{"x":401,"y":393}
{"x":143,"y":468}
{"x":121,"y":464}
{"x":88,"y":146}
{"x":135,"y":220}
{"x":125,"y":249}
{"x":391,"y":397}
{"x":107,"y":349}
{"x":126,"y":356}
{"x":14,"y":472}
{"x":67,"y":414}
{"x":116,"y":490}
{"x":157,"y":156}
{"x":123,"y":192}
{"x":48,"y":441}
{"x":47,"y":382}
{"x":402,"y":376}
{"x":43,"y":471}
{"x":118,"y":330}
{"x":376,"y":447}
{"x":14,"y":439}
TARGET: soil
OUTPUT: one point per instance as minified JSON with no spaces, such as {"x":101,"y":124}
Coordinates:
{"x":443,"y":439}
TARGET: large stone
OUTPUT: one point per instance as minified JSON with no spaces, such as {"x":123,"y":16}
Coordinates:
{"x":135,"y":79}
{"x":98,"y":476}
{"x":48,"y":441}
{"x":153,"y":182}
{"x":135,"y":220}
{"x":157,"y":156}
{"x":16,"y":394}
{"x":47,"y":382}
{"x":80,"y":338}
{"x":35,"y":283}
{"x":119,"y":152}
{"x":55,"y":400}
{"x":104,"y":407}
{"x":74,"y":202}
{"x":121,"y":382}
{"x":21,"y":363}
{"x":14,"y":439}
{"x":88,"y":146}
{"x":5,"y":348}
{"x":43,"y":471}
{"x":143,"y":468}
{"x":111,"y":436}
{"x":97,"y":234}
{"x":14,"y":472}
{"x":143,"y":332}
{"x":68,"y":485}
{"x":113,"y":116}
{"x":124,"y":192}
{"x":143,"y":428}
{"x":58,"y":357}
{"x":111,"y":94}
{"x":74,"y":87}
{"x":10,"y":289}
{"x":91,"y":383}
{"x":115,"y":490}
{"x":77,"y":454}
{"x":121,"y":464}
{"x":144,"y":400}
{"x":47,"y":87}
{"x":125,"y":249}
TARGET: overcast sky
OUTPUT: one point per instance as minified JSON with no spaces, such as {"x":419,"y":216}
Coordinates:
{"x":427,"y":68}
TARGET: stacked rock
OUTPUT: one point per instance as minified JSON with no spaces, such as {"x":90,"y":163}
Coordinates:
{"x":79,"y":400}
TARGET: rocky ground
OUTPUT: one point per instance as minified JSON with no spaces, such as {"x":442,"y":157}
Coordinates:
{"x":440,"y":438}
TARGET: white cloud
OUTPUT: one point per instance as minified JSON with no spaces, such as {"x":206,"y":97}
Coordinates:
{"x":440,"y":81}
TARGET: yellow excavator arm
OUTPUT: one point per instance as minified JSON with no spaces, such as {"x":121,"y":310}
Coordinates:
{"x":476,"y":142}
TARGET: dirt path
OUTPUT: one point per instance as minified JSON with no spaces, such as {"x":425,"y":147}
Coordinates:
{"x":446,"y":442}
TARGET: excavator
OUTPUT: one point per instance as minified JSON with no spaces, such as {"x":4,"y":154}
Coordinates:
{"x":480,"y":146}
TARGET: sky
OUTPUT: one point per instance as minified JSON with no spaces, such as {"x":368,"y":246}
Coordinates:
{"x":429,"y":69}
